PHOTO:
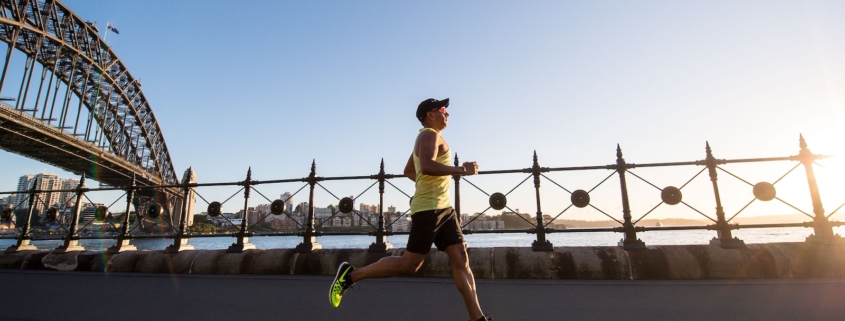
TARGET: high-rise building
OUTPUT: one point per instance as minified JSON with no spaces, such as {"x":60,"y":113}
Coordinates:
{"x":45,"y":200}
{"x":24,"y":184}
{"x":287,"y":197}
{"x":303,"y":208}
{"x":42,"y":181}
{"x":65,"y":197}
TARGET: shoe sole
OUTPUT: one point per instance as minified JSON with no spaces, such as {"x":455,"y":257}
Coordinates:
{"x":336,"y":276}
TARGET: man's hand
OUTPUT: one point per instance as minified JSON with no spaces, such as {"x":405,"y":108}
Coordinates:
{"x":471,"y":168}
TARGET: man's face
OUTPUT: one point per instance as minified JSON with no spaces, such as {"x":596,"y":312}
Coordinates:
{"x":439,"y":117}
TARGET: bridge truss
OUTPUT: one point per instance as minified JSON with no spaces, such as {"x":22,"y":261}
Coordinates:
{"x":86,"y":103}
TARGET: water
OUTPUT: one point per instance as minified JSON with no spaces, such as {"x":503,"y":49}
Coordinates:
{"x":750,"y":236}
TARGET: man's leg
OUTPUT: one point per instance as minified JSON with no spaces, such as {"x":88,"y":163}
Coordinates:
{"x":464,"y":279}
{"x":390,"y":266}
{"x":386,"y":267}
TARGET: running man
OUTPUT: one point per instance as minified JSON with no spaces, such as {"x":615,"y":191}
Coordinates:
{"x":433,"y":221}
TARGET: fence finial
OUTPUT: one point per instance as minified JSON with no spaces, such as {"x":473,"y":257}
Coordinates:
{"x":801,"y":142}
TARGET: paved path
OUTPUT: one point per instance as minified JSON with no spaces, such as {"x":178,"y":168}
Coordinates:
{"x":49,"y":295}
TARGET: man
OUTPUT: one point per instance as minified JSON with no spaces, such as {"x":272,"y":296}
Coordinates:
{"x":433,"y":221}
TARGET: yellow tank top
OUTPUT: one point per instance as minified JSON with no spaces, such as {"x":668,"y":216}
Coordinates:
{"x":432,"y":192}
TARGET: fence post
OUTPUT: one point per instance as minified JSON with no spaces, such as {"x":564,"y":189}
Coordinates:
{"x":541,"y":243}
{"x":24,"y":239}
{"x":381,"y":245}
{"x":723,"y":228}
{"x":823,"y":231}
{"x":457,"y":179}
{"x":122,"y":243}
{"x":71,"y":240}
{"x":630,"y":241}
{"x":243,"y":235}
{"x":309,"y":239}
{"x":180,"y":241}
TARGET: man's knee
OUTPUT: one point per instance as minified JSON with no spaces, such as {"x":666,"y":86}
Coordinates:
{"x":458,"y":256}
{"x":411,"y":263}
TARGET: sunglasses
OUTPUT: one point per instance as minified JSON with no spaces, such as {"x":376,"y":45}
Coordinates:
{"x":442,"y":110}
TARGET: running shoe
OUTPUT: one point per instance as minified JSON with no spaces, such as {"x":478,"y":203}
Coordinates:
{"x":342,"y":282}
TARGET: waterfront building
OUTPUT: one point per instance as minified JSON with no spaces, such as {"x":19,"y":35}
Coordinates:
{"x":89,"y":212}
{"x":322,"y":212}
{"x":287,"y":197}
{"x":24,"y":184}
{"x":403,"y":224}
{"x":66,"y":197}
{"x":303,"y":207}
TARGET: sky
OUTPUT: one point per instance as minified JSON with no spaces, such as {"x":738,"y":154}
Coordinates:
{"x":275,"y":85}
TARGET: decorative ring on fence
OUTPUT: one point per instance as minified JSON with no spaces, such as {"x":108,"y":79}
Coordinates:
{"x":277,"y":207}
{"x":101,"y":213}
{"x":155,"y":210}
{"x":580,"y":198}
{"x":498,"y":201}
{"x":52,"y":214}
{"x":214,"y":209}
{"x":764,"y":191}
{"x":346,"y":205}
{"x":671,"y":195}
{"x":8,"y":213}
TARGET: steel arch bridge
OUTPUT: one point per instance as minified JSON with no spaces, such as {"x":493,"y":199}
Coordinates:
{"x":91,"y":116}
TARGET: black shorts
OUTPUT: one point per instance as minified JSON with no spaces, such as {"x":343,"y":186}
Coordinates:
{"x":440,"y":227}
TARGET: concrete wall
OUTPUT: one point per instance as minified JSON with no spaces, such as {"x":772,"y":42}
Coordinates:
{"x":757,"y":261}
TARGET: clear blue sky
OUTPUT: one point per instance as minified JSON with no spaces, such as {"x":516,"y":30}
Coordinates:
{"x":275,"y":84}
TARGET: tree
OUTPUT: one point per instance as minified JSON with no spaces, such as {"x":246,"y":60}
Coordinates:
{"x":332,"y":208}
{"x":512,"y":221}
{"x":203,"y":227}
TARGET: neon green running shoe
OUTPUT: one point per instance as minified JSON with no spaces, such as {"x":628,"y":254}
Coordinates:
{"x":342,"y":282}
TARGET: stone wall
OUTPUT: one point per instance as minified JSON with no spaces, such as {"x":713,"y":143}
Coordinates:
{"x":675,"y":262}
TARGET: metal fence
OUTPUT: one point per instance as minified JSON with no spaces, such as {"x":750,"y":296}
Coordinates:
{"x":308,"y":227}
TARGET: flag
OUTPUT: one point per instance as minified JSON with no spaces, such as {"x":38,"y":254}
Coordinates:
{"x":112,"y":28}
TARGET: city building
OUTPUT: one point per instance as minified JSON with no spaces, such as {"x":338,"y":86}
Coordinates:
{"x":66,"y":197}
{"x":322,"y":212}
{"x":24,"y":184}
{"x":45,"y":200}
{"x":287,"y":197}
{"x":303,"y":208}
{"x":89,"y":212}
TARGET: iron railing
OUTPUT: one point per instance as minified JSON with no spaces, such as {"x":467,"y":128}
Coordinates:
{"x":309,"y":228}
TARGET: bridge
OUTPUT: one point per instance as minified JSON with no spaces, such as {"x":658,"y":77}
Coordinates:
{"x":86,"y":113}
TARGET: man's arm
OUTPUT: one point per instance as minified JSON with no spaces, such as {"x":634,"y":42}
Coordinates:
{"x":427,"y":152}
{"x":410,"y":171}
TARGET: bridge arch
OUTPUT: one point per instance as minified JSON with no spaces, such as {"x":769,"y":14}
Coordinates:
{"x":121,"y":130}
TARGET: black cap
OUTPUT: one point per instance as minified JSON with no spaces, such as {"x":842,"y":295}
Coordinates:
{"x":429,"y":104}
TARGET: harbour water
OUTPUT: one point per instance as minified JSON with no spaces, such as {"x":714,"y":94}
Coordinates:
{"x":750,"y":236}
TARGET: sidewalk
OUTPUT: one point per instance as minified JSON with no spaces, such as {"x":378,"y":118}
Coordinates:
{"x":51,"y":295}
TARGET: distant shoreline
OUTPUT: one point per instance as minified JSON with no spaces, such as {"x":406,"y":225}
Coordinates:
{"x":769,"y":219}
